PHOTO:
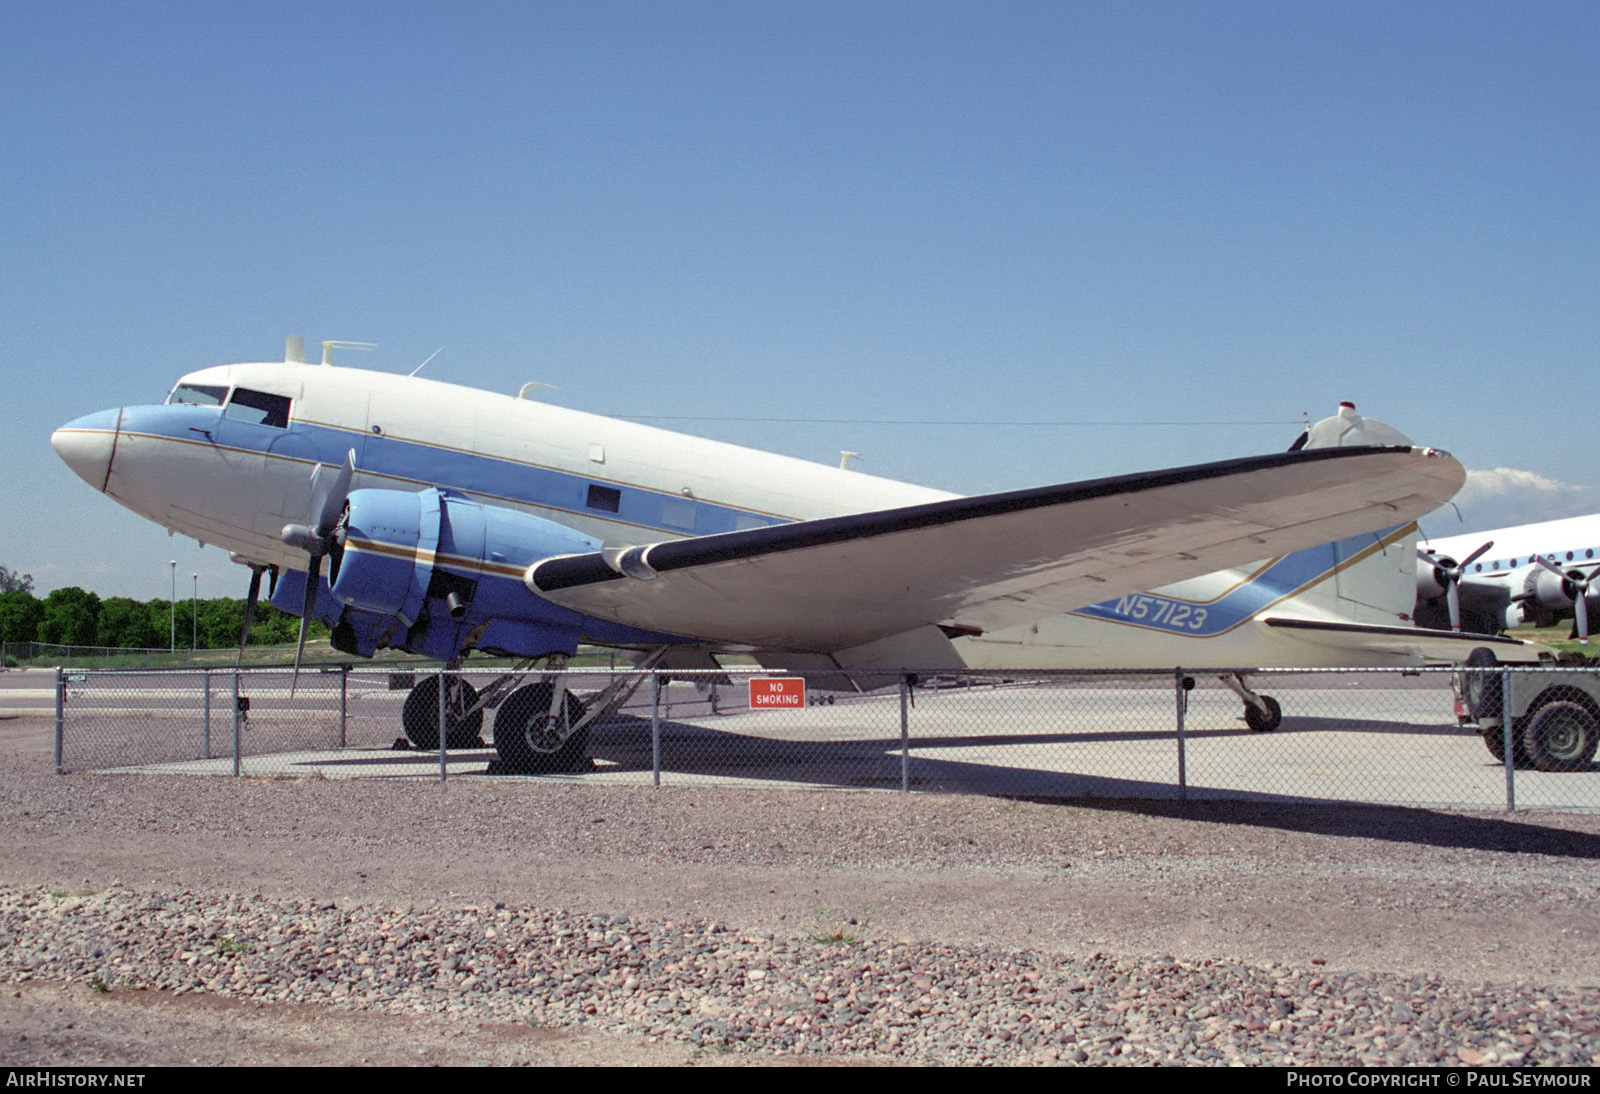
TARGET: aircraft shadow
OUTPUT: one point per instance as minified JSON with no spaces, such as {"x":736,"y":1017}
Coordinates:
{"x":1392,"y":823}
{"x":622,"y":744}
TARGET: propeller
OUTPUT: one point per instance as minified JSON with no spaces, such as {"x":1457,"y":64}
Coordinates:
{"x":1575,"y":587}
{"x":329,"y":489}
{"x":1448,"y":573}
{"x":250,"y":606}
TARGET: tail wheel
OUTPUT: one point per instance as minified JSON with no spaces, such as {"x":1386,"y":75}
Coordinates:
{"x":517,"y":727}
{"x":420,"y":715}
{"x":1261,"y":721}
{"x":1562,"y":736}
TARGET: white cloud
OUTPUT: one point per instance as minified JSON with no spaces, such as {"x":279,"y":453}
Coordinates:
{"x":1506,"y":496}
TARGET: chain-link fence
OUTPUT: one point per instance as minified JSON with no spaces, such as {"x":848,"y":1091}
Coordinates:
{"x":1359,"y":736}
{"x":129,"y":658}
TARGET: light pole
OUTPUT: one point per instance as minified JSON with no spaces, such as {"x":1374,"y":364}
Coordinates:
{"x":194,"y":641}
{"x":172,"y":613}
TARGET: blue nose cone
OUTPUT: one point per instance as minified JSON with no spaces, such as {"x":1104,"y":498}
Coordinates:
{"x":86,"y":445}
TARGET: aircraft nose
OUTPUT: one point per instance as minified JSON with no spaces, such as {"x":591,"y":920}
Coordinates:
{"x":86,"y":445}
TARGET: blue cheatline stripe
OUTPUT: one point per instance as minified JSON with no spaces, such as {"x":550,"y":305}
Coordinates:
{"x":420,"y":465}
{"x":1283,"y":577}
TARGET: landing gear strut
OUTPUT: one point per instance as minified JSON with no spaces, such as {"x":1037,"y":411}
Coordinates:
{"x":542,"y":728}
{"x":1261,"y":712}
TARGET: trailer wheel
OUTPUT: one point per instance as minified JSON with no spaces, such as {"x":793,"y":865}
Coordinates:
{"x":1494,"y":740}
{"x":1562,"y":736}
{"x":1481,"y":684}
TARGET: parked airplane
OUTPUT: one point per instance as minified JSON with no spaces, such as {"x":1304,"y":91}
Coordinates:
{"x":1529,"y":573}
{"x":454,"y":520}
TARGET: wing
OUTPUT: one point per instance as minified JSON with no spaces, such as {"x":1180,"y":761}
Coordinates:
{"x":1432,"y":645}
{"x":973,"y":564}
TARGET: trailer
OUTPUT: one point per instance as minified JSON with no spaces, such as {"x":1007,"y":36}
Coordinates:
{"x":1555,"y":712}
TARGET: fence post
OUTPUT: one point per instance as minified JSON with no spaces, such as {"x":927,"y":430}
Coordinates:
{"x":444,"y":774}
{"x":205,"y":725}
{"x":655,"y":729}
{"x":1183,"y":741}
{"x":905,"y":736}
{"x":1508,"y":738}
{"x":61,"y":702}
{"x":236,"y":715}
{"x":344,"y":694}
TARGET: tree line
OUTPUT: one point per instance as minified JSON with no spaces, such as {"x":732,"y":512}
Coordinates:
{"x":76,"y":617}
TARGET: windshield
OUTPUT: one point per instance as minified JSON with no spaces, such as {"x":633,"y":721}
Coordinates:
{"x":197,"y":395}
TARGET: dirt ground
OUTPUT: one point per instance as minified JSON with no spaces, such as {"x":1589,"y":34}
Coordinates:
{"x":1472,"y":897}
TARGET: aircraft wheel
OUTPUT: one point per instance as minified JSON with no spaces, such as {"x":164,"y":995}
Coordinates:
{"x":1561,"y":736}
{"x":1480,"y":684}
{"x":511,"y":722}
{"x":1263,"y":723}
{"x":420,"y":715}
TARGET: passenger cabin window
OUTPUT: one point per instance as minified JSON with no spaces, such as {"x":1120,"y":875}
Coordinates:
{"x":606,"y":499}
{"x":259,"y":407}
{"x":197,"y":395}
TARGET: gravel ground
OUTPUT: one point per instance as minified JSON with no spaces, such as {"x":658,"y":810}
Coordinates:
{"x":213,"y":921}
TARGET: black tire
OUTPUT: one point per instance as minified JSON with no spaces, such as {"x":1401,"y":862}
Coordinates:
{"x":420,"y":715}
{"x":1263,"y":723}
{"x":1494,"y":739}
{"x":510,"y":733}
{"x":1561,"y":736}
{"x":1481,"y":685}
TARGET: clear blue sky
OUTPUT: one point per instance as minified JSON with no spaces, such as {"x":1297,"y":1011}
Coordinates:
{"x":950,"y":213}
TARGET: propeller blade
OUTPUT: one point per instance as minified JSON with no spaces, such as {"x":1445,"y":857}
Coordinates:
{"x":1581,"y":609}
{"x":1473,"y":557}
{"x":313,"y":576}
{"x":1452,"y":597}
{"x":250,"y":607}
{"x":328,"y":492}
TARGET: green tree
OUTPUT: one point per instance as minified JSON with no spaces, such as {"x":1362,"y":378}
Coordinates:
{"x":20,"y":613}
{"x":126,"y":623}
{"x":71,"y":616}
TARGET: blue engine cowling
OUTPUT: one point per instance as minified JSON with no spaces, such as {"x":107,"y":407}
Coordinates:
{"x":431,"y":566}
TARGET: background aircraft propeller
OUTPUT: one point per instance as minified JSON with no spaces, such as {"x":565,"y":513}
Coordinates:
{"x":1448,"y":572}
{"x":329,"y":489}
{"x":1575,"y":586}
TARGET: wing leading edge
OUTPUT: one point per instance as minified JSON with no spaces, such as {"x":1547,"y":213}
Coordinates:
{"x":999,"y":559}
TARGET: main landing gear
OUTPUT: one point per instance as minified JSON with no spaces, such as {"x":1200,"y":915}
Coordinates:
{"x":463,"y":714}
{"x":1261,"y":712}
{"x":539,"y":728}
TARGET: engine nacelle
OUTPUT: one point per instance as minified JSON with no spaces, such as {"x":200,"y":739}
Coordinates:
{"x":397,"y":550}
{"x":1550,"y":591}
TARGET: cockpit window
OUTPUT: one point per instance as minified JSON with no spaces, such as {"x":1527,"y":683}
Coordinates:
{"x":197,"y":395}
{"x":259,"y":406}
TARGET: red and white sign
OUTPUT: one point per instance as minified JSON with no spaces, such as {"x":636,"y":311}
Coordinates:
{"x":767,"y":692}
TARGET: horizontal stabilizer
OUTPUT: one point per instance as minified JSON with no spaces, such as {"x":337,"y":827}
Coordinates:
{"x":1433,"y":645}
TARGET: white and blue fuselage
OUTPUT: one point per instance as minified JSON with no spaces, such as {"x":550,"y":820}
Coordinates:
{"x":497,"y":482}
